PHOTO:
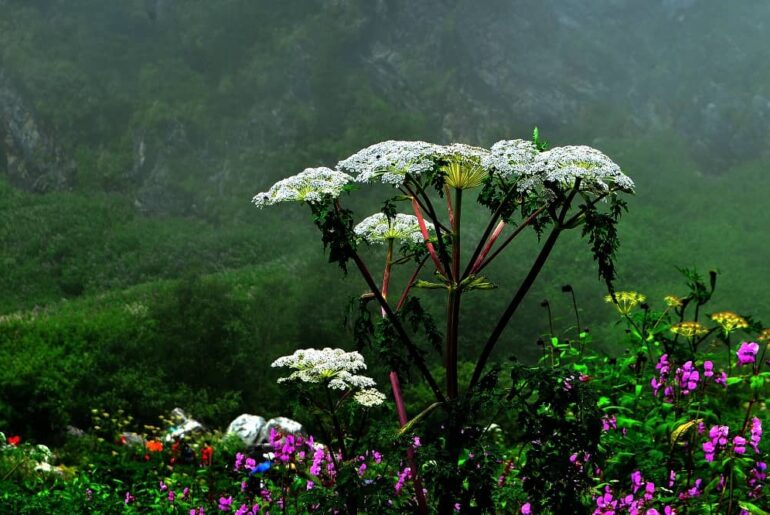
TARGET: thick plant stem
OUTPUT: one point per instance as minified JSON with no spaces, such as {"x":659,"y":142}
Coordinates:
{"x":514,"y":304}
{"x":426,"y":236}
{"x":509,"y":239}
{"x":487,"y":247}
{"x":453,"y":307}
{"x":410,"y":283}
{"x":386,"y":273}
{"x":537,"y":266}
{"x":414,"y":353}
{"x":487,"y":232}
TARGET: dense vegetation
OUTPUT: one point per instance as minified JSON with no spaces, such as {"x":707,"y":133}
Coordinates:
{"x":124,"y":272}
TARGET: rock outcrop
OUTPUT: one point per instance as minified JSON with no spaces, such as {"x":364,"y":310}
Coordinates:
{"x":29,"y":156}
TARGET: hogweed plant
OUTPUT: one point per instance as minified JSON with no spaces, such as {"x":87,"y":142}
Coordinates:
{"x":524,"y":185}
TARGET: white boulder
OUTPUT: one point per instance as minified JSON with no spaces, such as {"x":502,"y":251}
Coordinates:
{"x":247,"y":428}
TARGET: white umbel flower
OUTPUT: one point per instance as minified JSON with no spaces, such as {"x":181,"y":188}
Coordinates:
{"x":369,"y":397}
{"x":333,"y":367}
{"x":311,"y":185}
{"x":510,"y":158}
{"x":378,"y":228}
{"x":390,"y":161}
{"x":564,"y":165}
{"x":463,"y":165}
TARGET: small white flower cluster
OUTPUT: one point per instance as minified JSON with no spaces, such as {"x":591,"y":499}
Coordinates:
{"x":564,"y":165}
{"x":510,"y":158}
{"x":334,"y":367}
{"x":378,"y":228}
{"x":390,"y":161}
{"x":369,"y":397}
{"x":460,"y":152}
{"x":310,"y":185}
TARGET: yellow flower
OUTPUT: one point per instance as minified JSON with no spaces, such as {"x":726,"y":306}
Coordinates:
{"x":764,"y":336}
{"x":672,"y":301}
{"x":689,"y":329}
{"x":729,"y":321}
{"x":625,"y":301}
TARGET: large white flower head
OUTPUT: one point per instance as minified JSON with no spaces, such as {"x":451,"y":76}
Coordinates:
{"x":378,"y":228}
{"x":463,"y":165}
{"x":564,"y":165}
{"x":334,"y":367}
{"x":510,"y":158}
{"x":390,"y":161}
{"x":311,"y":185}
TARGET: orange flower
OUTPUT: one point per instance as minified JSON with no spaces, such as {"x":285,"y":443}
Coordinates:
{"x":154,"y":446}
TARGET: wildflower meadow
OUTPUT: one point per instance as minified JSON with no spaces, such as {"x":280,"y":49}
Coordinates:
{"x":401,"y":418}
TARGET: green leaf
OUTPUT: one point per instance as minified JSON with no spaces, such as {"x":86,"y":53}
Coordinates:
{"x":429,"y":285}
{"x":757,"y":382}
{"x":734,"y":380}
{"x":752,"y":508}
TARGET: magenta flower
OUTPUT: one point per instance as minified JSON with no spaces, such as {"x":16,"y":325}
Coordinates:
{"x":129,"y":498}
{"x":747,"y":353}
{"x":721,"y":379}
{"x":239,"y":457}
{"x":526,"y":509}
{"x":708,"y":368}
{"x":225,"y":503}
{"x":708,"y":451}
{"x":636,"y":480}
{"x":756,"y":433}
{"x":171,"y":496}
{"x":609,"y":422}
{"x":402,"y":477}
{"x":739,"y":445}
{"x":718,"y":434}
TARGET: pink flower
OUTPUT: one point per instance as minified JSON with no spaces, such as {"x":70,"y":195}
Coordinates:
{"x":739,"y":445}
{"x":756,"y":433}
{"x":526,"y":509}
{"x":747,"y":353}
{"x":225,"y":503}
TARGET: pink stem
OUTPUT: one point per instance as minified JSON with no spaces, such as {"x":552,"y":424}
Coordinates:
{"x":410,"y":284}
{"x":488,"y":247}
{"x":424,"y":230}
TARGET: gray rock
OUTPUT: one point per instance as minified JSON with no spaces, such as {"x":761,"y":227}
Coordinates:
{"x":247,"y":427}
{"x":132,"y":439}
{"x":184,"y":425}
{"x":283,"y":424}
{"x":32,"y":159}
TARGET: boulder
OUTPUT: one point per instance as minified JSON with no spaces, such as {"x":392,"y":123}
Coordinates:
{"x":247,"y":427}
{"x":184,"y":425}
{"x":283,"y":424}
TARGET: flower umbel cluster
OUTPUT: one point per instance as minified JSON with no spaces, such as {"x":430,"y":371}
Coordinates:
{"x":390,"y":161}
{"x":333,"y":367}
{"x":311,"y":185}
{"x":625,"y":301}
{"x":689,"y":329}
{"x":510,"y":158}
{"x":378,"y":228}
{"x":729,"y":321}
{"x":565,"y":165}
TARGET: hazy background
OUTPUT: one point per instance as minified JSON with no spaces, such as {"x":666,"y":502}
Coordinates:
{"x":134,"y":133}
